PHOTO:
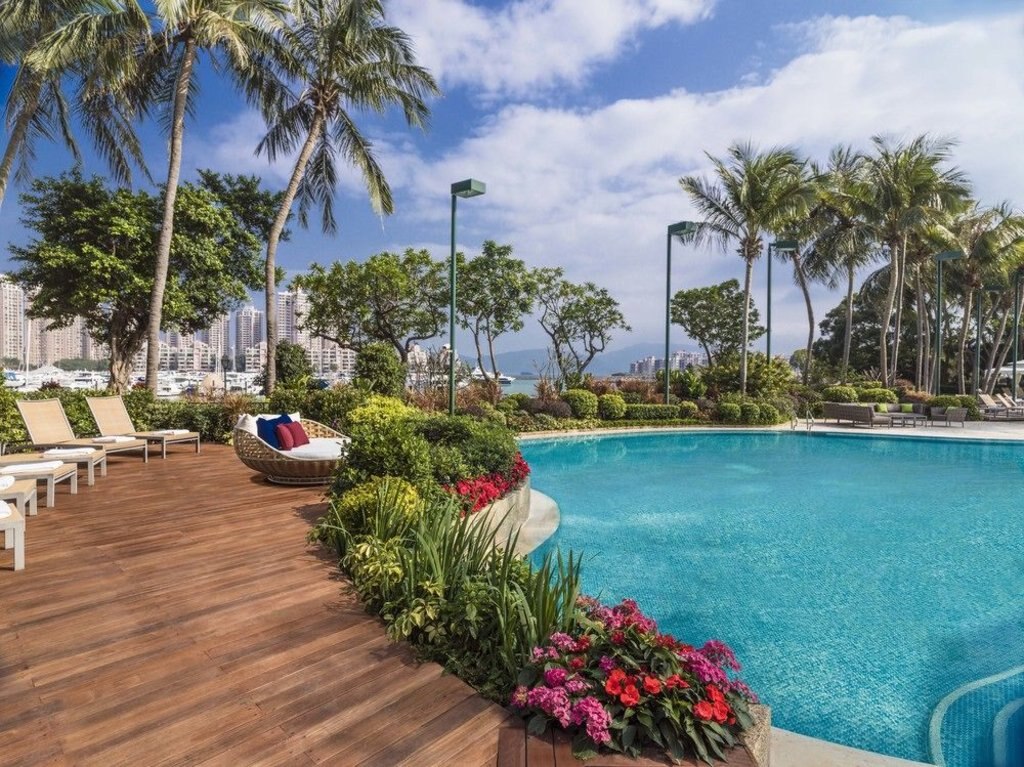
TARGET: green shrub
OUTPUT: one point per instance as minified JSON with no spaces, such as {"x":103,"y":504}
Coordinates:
{"x":611,"y":407}
{"x":519,"y":400}
{"x":330,"y":406}
{"x":486,"y":447}
{"x":379,"y":370}
{"x":382,"y":448}
{"x":958,"y":400}
{"x":652,"y":412}
{"x":690,"y":384}
{"x":449,"y":464}
{"x":769,"y":414}
{"x":582,"y":402}
{"x":377,"y":411}
{"x":750,"y":413}
{"x":839,"y":394}
{"x":355,"y":508}
{"x":632,"y":397}
{"x":728,"y":412}
{"x":688,"y":410}
{"x":887,"y":396}
{"x":555,"y":408}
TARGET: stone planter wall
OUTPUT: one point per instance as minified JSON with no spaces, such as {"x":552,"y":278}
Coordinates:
{"x":507,"y":513}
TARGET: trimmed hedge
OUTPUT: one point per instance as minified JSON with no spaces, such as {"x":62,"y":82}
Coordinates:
{"x":839,"y":394}
{"x":582,"y":402}
{"x":728,"y":412}
{"x":611,"y":407}
{"x":688,"y":409}
{"x":887,"y":396}
{"x":652,"y":412}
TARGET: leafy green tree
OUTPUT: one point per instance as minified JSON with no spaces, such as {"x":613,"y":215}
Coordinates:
{"x":344,"y":59}
{"x":379,"y":370}
{"x":578,"y":319}
{"x":713,"y":317}
{"x":496,"y":292}
{"x":755,"y":193}
{"x":153,"y":58}
{"x":294,"y":369}
{"x":37,"y":106}
{"x":253,"y":206}
{"x":397,"y":299}
{"x":94,"y":254}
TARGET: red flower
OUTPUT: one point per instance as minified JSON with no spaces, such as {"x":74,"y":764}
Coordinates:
{"x":583,"y":643}
{"x":715,"y":694}
{"x":651,"y":685}
{"x":720,"y":711}
{"x":618,"y":638}
{"x":630,"y":696}
{"x":614,"y":684}
{"x":676,"y":681}
{"x":731,"y":719}
{"x":704,"y":711}
{"x":576,"y":663}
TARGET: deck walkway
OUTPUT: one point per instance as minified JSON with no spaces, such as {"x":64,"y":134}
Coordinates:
{"x":173,"y":614}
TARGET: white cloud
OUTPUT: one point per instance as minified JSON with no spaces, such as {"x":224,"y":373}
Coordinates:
{"x":594,"y":189}
{"x":531,"y":44}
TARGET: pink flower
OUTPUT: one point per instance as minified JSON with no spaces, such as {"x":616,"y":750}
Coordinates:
{"x":589,"y":711}
{"x":555,"y":677}
{"x":520,"y":697}
{"x":606,"y":664}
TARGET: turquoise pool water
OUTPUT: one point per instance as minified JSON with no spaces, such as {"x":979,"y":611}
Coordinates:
{"x":872,"y":587}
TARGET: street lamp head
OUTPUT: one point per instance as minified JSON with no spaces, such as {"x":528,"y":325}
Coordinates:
{"x":682,"y":228}
{"x":785,"y":246}
{"x":949,"y":255}
{"x":468,"y":188}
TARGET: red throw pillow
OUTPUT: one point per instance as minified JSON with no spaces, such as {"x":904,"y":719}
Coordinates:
{"x":297,"y":433}
{"x":284,"y":436}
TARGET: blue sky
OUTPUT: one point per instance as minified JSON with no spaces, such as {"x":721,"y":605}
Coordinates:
{"x":581,"y":115}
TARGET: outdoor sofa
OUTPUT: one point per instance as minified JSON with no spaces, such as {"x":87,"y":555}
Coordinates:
{"x":856,"y":414}
{"x":310,"y":464}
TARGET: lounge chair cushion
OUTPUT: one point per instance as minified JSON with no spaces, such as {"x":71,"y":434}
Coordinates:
{"x":319,"y":449}
{"x":266,"y":429}
{"x":906,"y":408}
{"x":247,"y":423}
{"x":881,"y":408}
{"x":298,"y":433}
{"x":284,"y":436}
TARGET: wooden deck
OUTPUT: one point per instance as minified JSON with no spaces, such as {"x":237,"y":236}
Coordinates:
{"x":173,"y":614}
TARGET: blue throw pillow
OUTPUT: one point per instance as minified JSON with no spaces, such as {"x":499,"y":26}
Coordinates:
{"x":266,"y":429}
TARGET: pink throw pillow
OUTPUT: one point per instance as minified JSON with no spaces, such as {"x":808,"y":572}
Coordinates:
{"x":297,"y":433}
{"x":284,"y":436}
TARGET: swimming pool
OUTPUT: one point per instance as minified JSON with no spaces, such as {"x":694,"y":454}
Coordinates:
{"x":872,"y":587}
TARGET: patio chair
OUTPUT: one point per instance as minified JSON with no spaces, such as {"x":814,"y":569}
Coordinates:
{"x":951,"y":415}
{"x":48,"y":426}
{"x":112,"y":420}
{"x":1009,"y":404}
{"x":990,"y":408}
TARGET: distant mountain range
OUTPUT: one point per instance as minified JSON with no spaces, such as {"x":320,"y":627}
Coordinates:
{"x":531,"y":361}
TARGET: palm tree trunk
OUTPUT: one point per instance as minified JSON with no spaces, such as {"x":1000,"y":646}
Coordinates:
{"x":801,"y":278}
{"x":747,"y":274}
{"x":962,"y":344}
{"x":900,"y":300}
{"x":923,"y":337}
{"x":17,"y":137}
{"x":274,"y":237}
{"x":848,"y":332}
{"x":886,"y":318}
{"x":994,"y":357}
{"x":163,"y":250}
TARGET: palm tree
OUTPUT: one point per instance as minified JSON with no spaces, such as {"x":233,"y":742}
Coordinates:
{"x":37,"y":106}
{"x":843,"y":243}
{"x":159,"y":71}
{"x":343,"y":57}
{"x":909,"y":192}
{"x":755,"y":194}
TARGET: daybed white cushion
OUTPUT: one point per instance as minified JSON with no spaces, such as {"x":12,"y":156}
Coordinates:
{"x":247,"y":422}
{"x":319,"y":449}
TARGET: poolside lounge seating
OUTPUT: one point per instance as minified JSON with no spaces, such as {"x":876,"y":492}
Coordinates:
{"x":112,"y":420}
{"x":990,"y":408}
{"x":12,"y":522}
{"x":948,"y":415}
{"x":1009,"y":404}
{"x":83,"y":457}
{"x":856,"y":414}
{"x":312,"y":464}
{"x":50,"y":472}
{"x":48,"y":426}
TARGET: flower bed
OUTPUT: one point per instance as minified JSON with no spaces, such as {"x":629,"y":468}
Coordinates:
{"x":617,"y":683}
{"x":478,"y":493}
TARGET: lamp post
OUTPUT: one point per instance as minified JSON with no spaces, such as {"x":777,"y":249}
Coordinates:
{"x":779,"y":246}
{"x":679,"y":229}
{"x":946,"y":255}
{"x":468,"y":188}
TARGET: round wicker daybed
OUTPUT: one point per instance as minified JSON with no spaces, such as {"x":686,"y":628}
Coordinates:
{"x":285,"y":467}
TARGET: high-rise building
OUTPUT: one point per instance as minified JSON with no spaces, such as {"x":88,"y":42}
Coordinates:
{"x":248,"y":328}
{"x":12,"y":319}
{"x":49,"y":346}
{"x":217,"y":337}
{"x":291,"y":309}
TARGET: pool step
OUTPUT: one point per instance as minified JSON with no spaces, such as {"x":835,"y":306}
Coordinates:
{"x":981,"y":723}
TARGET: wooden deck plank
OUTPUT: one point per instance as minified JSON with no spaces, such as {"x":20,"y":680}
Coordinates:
{"x":173,"y":614}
